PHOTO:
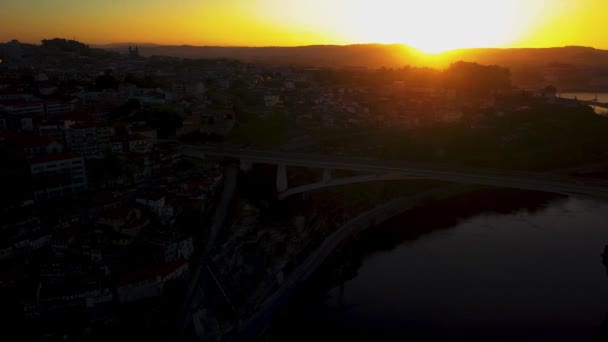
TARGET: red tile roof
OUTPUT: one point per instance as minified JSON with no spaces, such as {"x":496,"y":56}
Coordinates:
{"x":83,"y":125}
{"x":55,"y":157}
{"x":138,"y":137}
{"x":31,"y":140}
{"x":117,"y":213}
{"x":142,"y":129}
{"x":150,"y":273}
{"x":12,"y":91}
{"x":152,"y":197}
{"x":119,"y":124}
{"x":142,"y":222}
{"x":105,"y":198}
{"x":20,"y":103}
{"x":74,"y":116}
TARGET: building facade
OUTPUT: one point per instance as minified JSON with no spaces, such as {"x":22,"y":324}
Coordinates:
{"x":57,"y":175}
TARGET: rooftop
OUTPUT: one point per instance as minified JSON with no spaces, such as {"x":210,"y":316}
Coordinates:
{"x":55,"y":157}
{"x":150,"y":273}
{"x":31,"y":140}
{"x":74,"y":116}
{"x":117,"y":213}
{"x":83,"y":125}
{"x":137,"y":137}
{"x":142,"y":129}
{"x":152,"y":196}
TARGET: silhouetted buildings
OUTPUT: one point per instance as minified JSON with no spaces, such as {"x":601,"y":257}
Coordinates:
{"x":102,"y":211}
{"x":134,"y":52}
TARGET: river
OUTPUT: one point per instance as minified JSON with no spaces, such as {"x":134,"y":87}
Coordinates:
{"x":530,"y":269}
{"x":601,"y":97}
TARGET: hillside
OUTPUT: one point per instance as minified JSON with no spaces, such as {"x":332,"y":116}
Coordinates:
{"x":377,"y":55}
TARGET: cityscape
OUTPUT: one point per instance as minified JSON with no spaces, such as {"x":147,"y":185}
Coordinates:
{"x":236,"y":188}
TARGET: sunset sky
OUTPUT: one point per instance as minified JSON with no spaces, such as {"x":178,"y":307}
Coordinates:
{"x":430,"y":25}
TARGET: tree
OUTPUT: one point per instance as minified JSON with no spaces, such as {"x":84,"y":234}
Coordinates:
{"x":106,"y":81}
{"x":476,"y":79}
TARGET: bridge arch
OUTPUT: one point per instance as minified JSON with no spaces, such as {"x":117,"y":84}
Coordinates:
{"x":344,"y":181}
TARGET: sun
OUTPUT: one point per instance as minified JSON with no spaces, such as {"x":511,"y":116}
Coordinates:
{"x":434,"y":26}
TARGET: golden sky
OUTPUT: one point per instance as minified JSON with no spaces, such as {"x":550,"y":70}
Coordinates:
{"x":430,"y":25}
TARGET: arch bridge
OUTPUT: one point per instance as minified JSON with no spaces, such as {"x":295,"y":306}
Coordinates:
{"x":381,"y":170}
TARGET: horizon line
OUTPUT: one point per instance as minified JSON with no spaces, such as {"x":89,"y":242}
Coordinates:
{"x":309,"y":45}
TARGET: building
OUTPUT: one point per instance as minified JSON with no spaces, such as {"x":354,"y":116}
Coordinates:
{"x":11,"y":52}
{"x":81,"y":138}
{"x":47,"y":88}
{"x":168,"y":247}
{"x":57,"y":107}
{"x":549,"y":93}
{"x":21,"y":236}
{"x":9,"y":93}
{"x":179,"y":89}
{"x":149,"y":283}
{"x":145,"y":131}
{"x":125,"y":224}
{"x":140,"y":165}
{"x":22,"y":107}
{"x":154,"y":202}
{"x":57,"y":175}
{"x":134,"y":52}
{"x":35,"y":145}
{"x":272,"y":100}
{"x":54,"y":129}
{"x":104,"y":138}
{"x":139,"y":143}
{"x":120,"y":217}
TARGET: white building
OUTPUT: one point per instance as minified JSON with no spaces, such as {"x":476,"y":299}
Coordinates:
{"x":56,"y":107}
{"x":139,"y":143}
{"x":154,"y":202}
{"x":19,"y":107}
{"x":58,"y":175}
{"x":81,"y":138}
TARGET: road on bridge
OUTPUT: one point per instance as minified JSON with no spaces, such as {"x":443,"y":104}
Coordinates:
{"x":509,"y":179}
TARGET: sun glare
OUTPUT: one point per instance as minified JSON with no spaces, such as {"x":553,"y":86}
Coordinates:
{"x":438,"y":25}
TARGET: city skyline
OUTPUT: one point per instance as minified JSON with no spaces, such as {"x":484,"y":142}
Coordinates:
{"x":347,"y":176}
{"x":431,"y":26}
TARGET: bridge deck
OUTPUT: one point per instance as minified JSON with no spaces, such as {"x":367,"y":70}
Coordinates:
{"x":512,"y":179}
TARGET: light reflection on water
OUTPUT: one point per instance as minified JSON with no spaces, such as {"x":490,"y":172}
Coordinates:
{"x":601,"y":97}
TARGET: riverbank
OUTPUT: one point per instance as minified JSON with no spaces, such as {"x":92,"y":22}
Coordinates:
{"x":256,"y":324}
{"x":437,"y":255}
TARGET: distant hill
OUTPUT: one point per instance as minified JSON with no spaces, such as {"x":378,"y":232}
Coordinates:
{"x":378,"y":55}
{"x":575,"y":55}
{"x":367,"y":55}
{"x":568,"y":68}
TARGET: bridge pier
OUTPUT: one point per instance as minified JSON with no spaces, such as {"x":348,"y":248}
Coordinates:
{"x":281,"y":178}
{"x":327,"y":175}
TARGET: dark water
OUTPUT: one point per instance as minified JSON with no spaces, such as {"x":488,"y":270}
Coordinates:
{"x":509,"y":272}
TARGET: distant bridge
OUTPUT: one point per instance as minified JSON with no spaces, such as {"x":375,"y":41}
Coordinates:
{"x":380,"y":170}
{"x":593,"y":102}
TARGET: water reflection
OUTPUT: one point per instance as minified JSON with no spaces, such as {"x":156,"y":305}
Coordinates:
{"x":599,"y":97}
{"x":487,"y":266}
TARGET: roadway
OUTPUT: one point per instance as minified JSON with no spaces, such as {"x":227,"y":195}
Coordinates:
{"x":546,"y":182}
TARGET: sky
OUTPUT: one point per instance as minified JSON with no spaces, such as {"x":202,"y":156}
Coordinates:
{"x":429,"y":25}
